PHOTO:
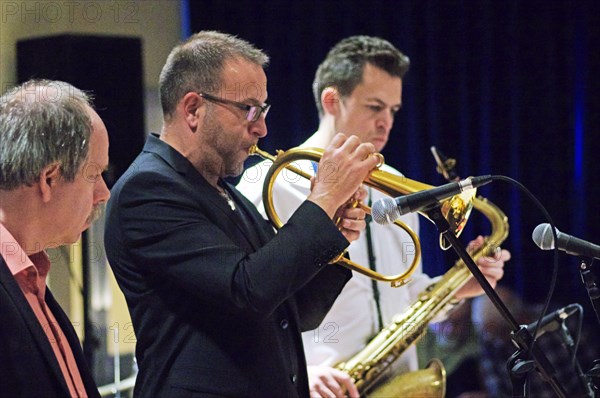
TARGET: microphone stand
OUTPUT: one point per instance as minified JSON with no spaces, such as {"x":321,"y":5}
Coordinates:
{"x":525,"y":359}
{"x":589,"y":280}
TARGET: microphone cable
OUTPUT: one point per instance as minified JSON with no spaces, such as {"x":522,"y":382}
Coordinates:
{"x":554,"y":277}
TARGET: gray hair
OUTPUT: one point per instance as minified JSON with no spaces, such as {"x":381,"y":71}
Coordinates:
{"x":196,"y":65}
{"x":343,"y":67}
{"x":42,"y":122}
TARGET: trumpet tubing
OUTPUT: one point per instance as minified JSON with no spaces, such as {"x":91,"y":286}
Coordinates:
{"x":284,"y":160}
{"x":456,"y":210}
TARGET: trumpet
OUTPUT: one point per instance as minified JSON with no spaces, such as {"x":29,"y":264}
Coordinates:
{"x":456,"y":209}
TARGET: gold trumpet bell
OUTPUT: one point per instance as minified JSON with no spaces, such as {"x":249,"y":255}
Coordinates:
{"x":425,"y":383}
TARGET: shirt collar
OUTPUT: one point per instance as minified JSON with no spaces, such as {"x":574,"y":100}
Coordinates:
{"x":17,"y":259}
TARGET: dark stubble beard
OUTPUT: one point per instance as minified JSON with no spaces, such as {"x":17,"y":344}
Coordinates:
{"x":224,"y":147}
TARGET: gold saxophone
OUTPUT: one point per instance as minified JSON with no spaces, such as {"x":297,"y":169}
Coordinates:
{"x":368,"y":367}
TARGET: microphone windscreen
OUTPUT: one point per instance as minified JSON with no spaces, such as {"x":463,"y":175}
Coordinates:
{"x":542,"y":236}
{"x":385,"y":211}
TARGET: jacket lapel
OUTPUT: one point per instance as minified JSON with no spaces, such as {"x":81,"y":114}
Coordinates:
{"x":262,"y":232}
{"x":39,"y":336}
{"x":227,"y":220}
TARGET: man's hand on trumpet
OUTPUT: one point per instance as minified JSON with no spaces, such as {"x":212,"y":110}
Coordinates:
{"x":351,"y":218}
{"x":343,"y":167}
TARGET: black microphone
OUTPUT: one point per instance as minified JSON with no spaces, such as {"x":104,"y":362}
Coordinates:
{"x":388,"y":210}
{"x":543,"y":238}
{"x":555,"y":321}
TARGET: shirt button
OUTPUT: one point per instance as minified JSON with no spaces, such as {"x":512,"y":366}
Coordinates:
{"x":284,"y":324}
{"x":293,"y":378}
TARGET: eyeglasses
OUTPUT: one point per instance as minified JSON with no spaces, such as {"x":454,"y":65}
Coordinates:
{"x":253,"y":112}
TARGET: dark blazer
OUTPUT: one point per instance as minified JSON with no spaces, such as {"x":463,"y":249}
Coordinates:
{"x":217,"y":302}
{"x":28,"y":367}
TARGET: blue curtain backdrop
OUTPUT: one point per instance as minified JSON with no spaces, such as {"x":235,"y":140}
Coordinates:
{"x":505,"y":87}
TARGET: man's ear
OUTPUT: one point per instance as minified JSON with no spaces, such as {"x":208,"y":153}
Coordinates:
{"x":48,"y":180}
{"x":330,"y":101}
{"x":193,"y":110}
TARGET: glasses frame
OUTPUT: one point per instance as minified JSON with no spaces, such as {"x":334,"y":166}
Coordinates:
{"x":253,"y":112}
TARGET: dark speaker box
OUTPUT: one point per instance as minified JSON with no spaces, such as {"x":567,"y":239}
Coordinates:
{"x":110,"y":67}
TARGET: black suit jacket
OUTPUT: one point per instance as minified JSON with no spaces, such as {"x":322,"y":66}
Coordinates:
{"x":217,"y":302}
{"x":28,"y":367}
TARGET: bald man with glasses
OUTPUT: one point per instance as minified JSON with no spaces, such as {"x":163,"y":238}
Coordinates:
{"x":216,"y":299}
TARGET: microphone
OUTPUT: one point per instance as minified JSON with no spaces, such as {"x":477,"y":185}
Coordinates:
{"x":388,"y":210}
{"x":554,"y":320}
{"x":543,"y":238}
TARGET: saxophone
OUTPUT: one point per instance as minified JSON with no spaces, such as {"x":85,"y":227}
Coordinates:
{"x":369,"y":365}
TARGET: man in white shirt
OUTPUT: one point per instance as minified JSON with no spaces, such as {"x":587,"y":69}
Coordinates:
{"x":358,"y":90}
